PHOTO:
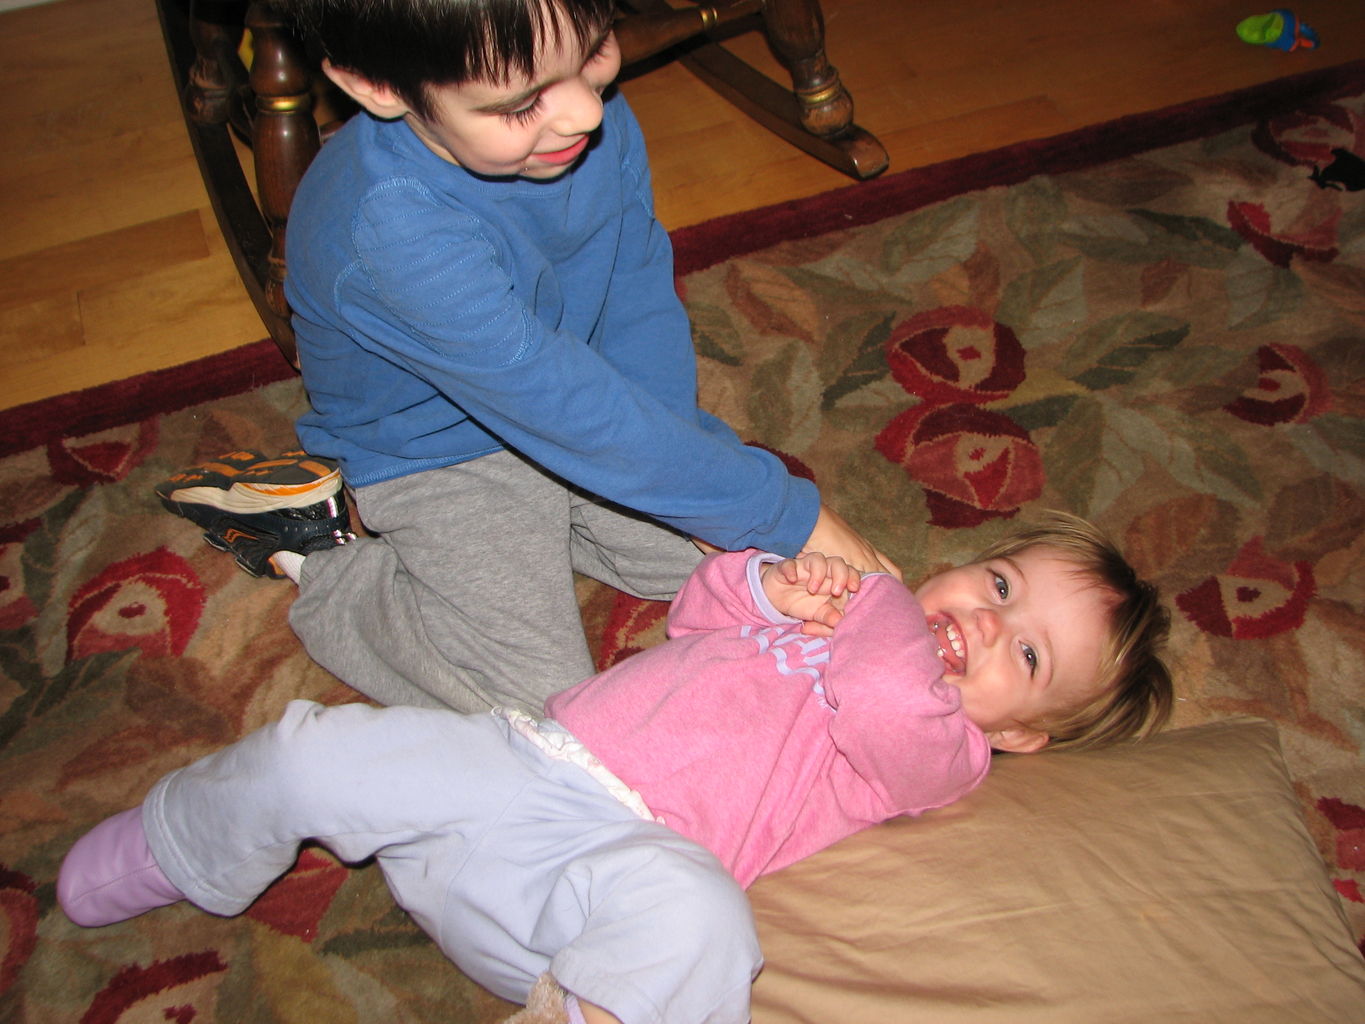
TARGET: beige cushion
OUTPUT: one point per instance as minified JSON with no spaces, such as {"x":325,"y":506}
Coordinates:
{"x":1169,"y":881}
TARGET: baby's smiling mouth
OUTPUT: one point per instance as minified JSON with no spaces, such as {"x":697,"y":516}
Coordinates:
{"x":951,"y":647}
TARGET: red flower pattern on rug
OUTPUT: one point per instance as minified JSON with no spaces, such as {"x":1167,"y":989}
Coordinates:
{"x":295,"y":904}
{"x":151,"y":601}
{"x":1290,"y":388}
{"x":1349,"y":821}
{"x":974,"y":464}
{"x":18,"y":924}
{"x":103,"y":457}
{"x":1256,"y":597}
{"x":1307,"y":137}
{"x":176,"y":990}
{"x":1304,"y":237}
{"x":16,"y":607}
{"x":955,"y":354}
{"x":630,"y":626}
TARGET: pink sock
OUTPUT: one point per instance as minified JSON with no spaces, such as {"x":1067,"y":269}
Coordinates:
{"x":110,"y":874}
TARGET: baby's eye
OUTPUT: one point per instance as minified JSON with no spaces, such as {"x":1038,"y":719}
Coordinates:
{"x":1002,"y":585}
{"x":1030,"y":658}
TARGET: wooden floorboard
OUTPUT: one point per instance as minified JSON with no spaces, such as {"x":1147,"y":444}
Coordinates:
{"x":109,"y":253}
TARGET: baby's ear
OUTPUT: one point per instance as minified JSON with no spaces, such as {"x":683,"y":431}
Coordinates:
{"x":1019,"y":740}
{"x":379,"y":100}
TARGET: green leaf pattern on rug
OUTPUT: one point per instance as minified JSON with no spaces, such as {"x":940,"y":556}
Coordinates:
{"x":784,"y":401}
{"x":714,"y":336}
{"x":1196,"y":240}
{"x":934,"y":240}
{"x":1119,"y":364}
{"x":1039,"y":304}
{"x":1110,"y":353}
{"x":867,"y":366}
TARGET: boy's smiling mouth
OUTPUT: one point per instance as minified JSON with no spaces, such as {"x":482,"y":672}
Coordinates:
{"x":952,"y":649}
{"x":567,"y":155}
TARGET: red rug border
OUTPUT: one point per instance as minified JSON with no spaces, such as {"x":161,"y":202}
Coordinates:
{"x":79,"y":413}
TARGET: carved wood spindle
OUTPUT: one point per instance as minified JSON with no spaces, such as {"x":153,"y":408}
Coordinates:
{"x":796,"y":30}
{"x":284,"y":134}
{"x":641,"y":37}
{"x":216,"y":32}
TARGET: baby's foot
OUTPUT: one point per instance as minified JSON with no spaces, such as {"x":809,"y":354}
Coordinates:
{"x":110,"y":874}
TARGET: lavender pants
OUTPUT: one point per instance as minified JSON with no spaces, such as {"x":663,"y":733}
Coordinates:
{"x":513,"y":862}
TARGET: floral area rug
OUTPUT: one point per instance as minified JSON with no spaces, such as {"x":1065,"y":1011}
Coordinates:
{"x":1172,"y":344}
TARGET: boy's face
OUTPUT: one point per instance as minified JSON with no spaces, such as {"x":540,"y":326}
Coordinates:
{"x":1021,"y":637}
{"x":527,"y":127}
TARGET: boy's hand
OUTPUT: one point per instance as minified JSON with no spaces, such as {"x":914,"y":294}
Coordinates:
{"x":811,"y":587}
{"x":834,"y":536}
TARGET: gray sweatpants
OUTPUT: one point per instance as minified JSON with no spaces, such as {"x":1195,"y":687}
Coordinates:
{"x":513,"y":862}
{"x":466,"y":598}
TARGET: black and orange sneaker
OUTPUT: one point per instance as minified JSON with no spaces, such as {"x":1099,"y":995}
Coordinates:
{"x":253,"y":506}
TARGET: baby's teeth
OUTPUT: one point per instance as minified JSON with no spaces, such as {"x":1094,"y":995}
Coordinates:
{"x":948,"y":632}
{"x":955,"y":641}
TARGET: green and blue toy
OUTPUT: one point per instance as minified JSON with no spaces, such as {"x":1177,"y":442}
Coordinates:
{"x":1280,"y":29}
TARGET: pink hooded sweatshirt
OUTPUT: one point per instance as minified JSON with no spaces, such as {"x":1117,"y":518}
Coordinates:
{"x":765,"y":745}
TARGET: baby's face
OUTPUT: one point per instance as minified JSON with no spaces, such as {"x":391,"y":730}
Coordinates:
{"x":1021,"y":637}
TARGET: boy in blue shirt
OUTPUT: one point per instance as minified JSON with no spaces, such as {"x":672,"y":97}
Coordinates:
{"x":496,"y":358}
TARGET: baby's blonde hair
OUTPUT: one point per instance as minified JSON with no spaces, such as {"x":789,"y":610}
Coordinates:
{"x":1135,"y":697}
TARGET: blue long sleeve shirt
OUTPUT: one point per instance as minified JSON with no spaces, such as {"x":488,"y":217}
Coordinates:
{"x":441,"y":316}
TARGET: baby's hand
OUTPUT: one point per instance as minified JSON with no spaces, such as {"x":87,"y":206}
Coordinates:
{"x":811,"y":587}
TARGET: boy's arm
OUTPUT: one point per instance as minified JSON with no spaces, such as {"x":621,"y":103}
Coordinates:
{"x":645,"y":331}
{"x":649,"y":338}
{"x":563,"y":405}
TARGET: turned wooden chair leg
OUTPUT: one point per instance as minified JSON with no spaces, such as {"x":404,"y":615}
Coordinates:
{"x":284,"y":139}
{"x":796,"y":32}
{"x":814,"y":113}
{"x":215,"y":28}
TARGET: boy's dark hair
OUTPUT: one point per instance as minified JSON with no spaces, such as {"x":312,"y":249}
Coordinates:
{"x":411,"y":45}
{"x":1135,"y":698}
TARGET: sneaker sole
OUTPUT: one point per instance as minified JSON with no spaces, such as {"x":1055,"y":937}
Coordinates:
{"x":248,"y":483}
{"x":251,"y":498}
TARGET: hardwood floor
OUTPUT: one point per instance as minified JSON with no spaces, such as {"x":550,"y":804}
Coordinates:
{"x":111,"y":263}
